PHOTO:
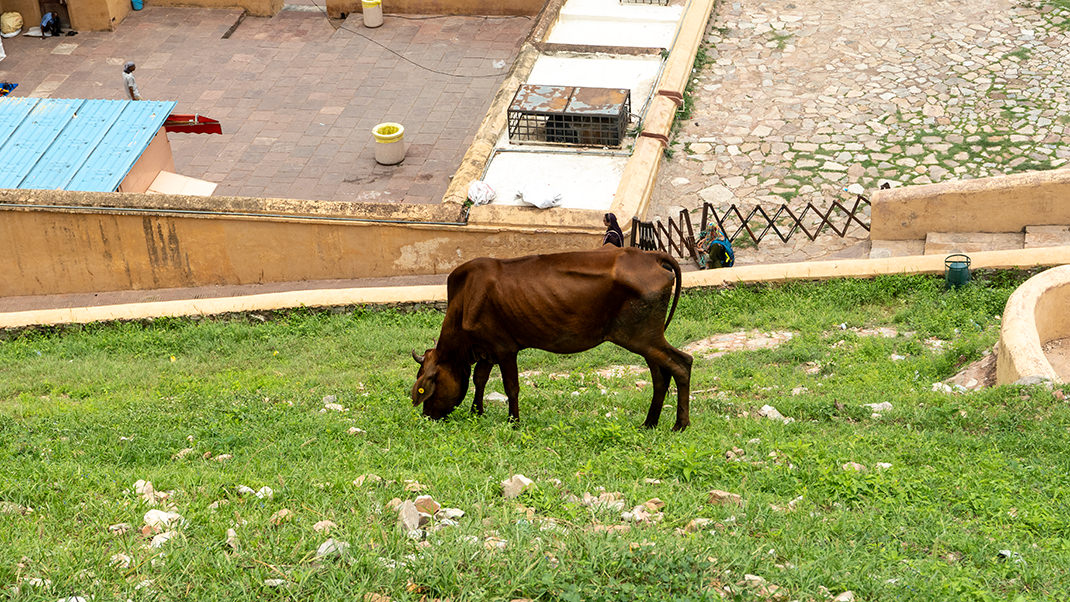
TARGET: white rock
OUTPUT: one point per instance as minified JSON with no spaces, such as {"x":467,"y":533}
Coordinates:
{"x":847,"y":596}
{"x":772,"y":413}
{"x":37,"y":582}
{"x":334,"y":407}
{"x":855,"y":466}
{"x":941,"y":388}
{"x":356,"y":431}
{"x":72,"y":599}
{"x":856,"y":188}
{"x":232,"y":539}
{"x":243,"y":490}
{"x":515,"y":485}
{"x":332,"y":547}
{"x":679,"y":181}
{"x":276,"y":583}
{"x":159,"y":540}
{"x":408,"y":516}
{"x":449,"y":514}
{"x":496,"y":397}
{"x":883,"y":465}
{"x":895,"y":357}
{"x":223,"y":457}
{"x":265,"y":492}
{"x":161,"y":518}
{"x":883,"y":406}
{"x":120,"y":561}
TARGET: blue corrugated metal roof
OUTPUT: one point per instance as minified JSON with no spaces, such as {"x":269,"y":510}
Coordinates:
{"x":74,"y":144}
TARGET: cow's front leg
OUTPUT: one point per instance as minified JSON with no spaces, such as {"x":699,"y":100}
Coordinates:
{"x":482,"y":374}
{"x":511,"y":383}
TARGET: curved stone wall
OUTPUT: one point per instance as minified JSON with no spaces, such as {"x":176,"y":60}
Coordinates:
{"x":1036,"y":313}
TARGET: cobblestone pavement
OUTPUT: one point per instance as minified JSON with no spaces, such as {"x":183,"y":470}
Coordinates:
{"x":297,"y":98}
{"x":801,"y":98}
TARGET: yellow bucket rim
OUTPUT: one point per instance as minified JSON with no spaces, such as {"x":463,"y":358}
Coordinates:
{"x":370,"y":3}
{"x":388,"y":132}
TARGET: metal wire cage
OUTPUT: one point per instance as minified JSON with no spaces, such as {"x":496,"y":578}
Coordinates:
{"x":569,"y":116}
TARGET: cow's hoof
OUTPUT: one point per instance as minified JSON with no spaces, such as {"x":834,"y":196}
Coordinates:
{"x":679,"y":426}
{"x":649,"y":425}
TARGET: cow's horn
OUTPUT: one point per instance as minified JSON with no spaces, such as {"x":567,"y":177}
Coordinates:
{"x":419,"y":358}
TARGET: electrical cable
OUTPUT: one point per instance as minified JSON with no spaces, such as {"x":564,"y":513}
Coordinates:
{"x":407,"y":59}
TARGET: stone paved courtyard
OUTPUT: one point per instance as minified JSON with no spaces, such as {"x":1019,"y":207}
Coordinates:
{"x":801,"y":98}
{"x":297,"y":94}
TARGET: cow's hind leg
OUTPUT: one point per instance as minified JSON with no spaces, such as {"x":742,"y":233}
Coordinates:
{"x":674,"y":364}
{"x":660,"y":375}
{"x":511,"y":384}
{"x":480,"y":377}
{"x":681,"y":373}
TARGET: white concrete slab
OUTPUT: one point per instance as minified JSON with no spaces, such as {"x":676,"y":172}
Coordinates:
{"x":583,"y":181}
{"x":637,"y":74}
{"x":610,"y":23}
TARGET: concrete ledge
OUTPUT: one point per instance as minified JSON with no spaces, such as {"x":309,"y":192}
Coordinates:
{"x":868,"y":268}
{"x":406,"y":295}
{"x":997,"y":204}
{"x":1036,"y":313}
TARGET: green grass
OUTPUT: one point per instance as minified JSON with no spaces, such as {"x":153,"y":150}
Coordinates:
{"x":87,"y":411}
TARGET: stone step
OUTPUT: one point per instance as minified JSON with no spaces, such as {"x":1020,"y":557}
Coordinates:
{"x":1046,"y":236}
{"x":881,"y":249}
{"x":946,"y":243}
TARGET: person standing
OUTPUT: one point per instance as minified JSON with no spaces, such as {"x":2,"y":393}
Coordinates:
{"x":128,"y":81}
{"x":613,"y":236}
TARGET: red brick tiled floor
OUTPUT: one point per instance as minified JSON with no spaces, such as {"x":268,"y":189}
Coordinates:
{"x":297,"y":98}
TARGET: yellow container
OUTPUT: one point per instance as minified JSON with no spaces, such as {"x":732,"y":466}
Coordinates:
{"x":389,"y":143}
{"x":373,"y":12}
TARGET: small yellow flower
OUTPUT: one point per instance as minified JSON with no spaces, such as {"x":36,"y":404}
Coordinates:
{"x":173,"y":359}
{"x":276,"y":352}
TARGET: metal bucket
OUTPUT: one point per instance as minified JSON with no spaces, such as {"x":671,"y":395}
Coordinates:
{"x":956,"y":270}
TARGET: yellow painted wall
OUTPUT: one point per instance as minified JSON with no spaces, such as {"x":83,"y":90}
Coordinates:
{"x":157,"y":157}
{"x":47,"y":251}
{"x":256,"y":8}
{"x":998,"y":204}
{"x":336,"y":8}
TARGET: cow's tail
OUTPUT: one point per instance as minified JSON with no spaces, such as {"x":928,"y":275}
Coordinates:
{"x":669,"y":263}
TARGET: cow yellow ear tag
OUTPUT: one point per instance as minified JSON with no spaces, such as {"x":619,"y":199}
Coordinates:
{"x":420,"y":390}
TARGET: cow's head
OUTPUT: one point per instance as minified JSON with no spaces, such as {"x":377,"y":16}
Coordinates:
{"x":440,"y":386}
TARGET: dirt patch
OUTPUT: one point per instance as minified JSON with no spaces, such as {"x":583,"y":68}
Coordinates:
{"x":1058,"y":352}
{"x":978,"y":375}
{"x":720,"y":344}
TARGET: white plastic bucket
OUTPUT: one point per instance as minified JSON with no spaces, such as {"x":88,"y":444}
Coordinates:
{"x":389,"y":143}
{"x":373,"y":12}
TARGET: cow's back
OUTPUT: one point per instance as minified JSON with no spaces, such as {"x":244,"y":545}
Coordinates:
{"x":560,"y":302}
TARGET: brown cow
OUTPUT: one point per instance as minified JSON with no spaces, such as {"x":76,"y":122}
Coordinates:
{"x":563,"y":303}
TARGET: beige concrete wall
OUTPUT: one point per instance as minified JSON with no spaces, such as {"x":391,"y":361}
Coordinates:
{"x":156,"y":158}
{"x":155,"y":242}
{"x":998,"y":204}
{"x":256,"y":8}
{"x":407,"y":295}
{"x":337,"y":8}
{"x":1038,"y":312}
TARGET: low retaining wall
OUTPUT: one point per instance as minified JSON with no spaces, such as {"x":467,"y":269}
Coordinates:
{"x":997,"y":204}
{"x":54,"y":242}
{"x":1037,"y":312}
{"x":412,"y":295}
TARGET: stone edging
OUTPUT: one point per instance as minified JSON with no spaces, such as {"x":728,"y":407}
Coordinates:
{"x":436,"y":294}
{"x":1036,"y":313}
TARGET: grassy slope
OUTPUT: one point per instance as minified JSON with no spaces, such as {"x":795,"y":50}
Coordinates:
{"x":972,"y":474}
